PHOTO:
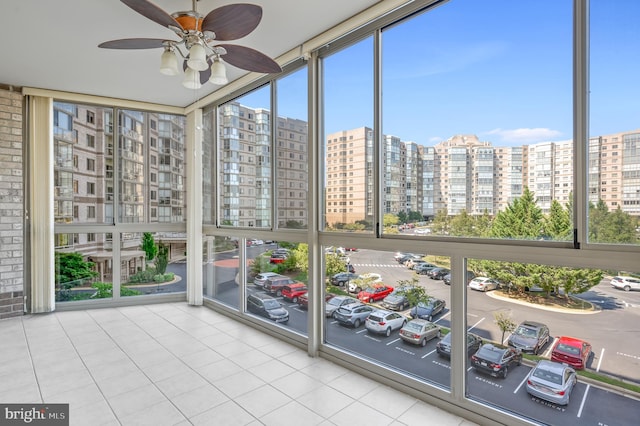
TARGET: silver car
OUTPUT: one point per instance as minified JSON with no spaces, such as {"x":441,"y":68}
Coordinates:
{"x":353,"y":314}
{"x":419,"y":332}
{"x":336,"y":302}
{"x":551,"y":381}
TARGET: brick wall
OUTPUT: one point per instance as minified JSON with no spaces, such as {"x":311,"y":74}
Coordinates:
{"x":11,"y":204}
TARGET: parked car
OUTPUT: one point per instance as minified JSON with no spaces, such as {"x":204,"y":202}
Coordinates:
{"x":275,"y":285}
{"x":447,"y":278}
{"x":428,"y":310}
{"x":424,"y":268}
{"x":267,"y":306}
{"x":353,"y":314}
{"x":396,"y":300}
{"x":337,"y":301}
{"x":399,"y":255}
{"x":529,"y":336}
{"x":412,"y":262}
{"x":303,"y":299}
{"x":626,"y":283}
{"x":483,"y":284}
{"x":278,"y":258}
{"x":496,"y":360}
{"x":443,"y":347}
{"x":363,"y":281}
{"x":374,"y":293}
{"x":384,"y":322}
{"x":572,"y":351}
{"x":262,"y":278}
{"x":409,"y":258}
{"x":437,"y":273}
{"x":551,"y":381}
{"x":293,"y":292}
{"x":419,"y":332}
{"x":342,"y":278}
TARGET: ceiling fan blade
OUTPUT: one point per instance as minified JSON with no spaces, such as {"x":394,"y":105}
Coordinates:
{"x":153,"y":12}
{"x":232,"y":21}
{"x":249,"y":59}
{"x":133,"y":43}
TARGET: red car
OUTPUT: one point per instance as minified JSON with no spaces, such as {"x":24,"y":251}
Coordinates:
{"x":303,"y":299}
{"x":374,"y":293}
{"x":569,"y":350}
{"x":278,"y":258}
{"x":294,"y":291}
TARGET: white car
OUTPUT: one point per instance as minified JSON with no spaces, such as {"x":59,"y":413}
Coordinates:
{"x":626,"y":283}
{"x":384,"y":322}
{"x":364,"y":281}
{"x":483,"y":284}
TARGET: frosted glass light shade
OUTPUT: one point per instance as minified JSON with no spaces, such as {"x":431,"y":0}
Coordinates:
{"x":191,"y":79}
{"x":169,"y":63}
{"x":197,"y":58}
{"x":218,"y":73}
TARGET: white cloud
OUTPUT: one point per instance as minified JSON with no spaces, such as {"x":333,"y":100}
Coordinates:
{"x":525,"y":136}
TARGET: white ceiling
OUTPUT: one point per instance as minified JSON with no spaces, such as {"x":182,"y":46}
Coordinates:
{"x":52,"y":44}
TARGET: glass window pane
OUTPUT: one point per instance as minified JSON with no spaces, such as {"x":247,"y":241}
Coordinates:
{"x":614,"y":140}
{"x":276,"y":288}
{"x":473,"y":123}
{"x":393,"y":309}
{"x":348,"y":139}
{"x":83,"y":267}
{"x":83,"y":164}
{"x":291,"y":151}
{"x":221,"y":269}
{"x":153,"y":263}
{"x":244,"y":175}
{"x":152,"y":170}
{"x":542,"y":323}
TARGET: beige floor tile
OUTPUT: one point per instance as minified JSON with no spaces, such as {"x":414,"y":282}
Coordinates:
{"x":388,"y":401}
{"x":420,"y":411}
{"x":164,"y":413}
{"x":292,"y":414}
{"x":199,"y":400}
{"x":358,"y":414}
{"x":296,"y":384}
{"x":325,"y":400}
{"x":180,"y":383}
{"x":228,"y":413}
{"x":238,"y":384}
{"x":136,"y":400}
{"x":263,"y":400}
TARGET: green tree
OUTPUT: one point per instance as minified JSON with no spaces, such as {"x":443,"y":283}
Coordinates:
{"x":504,"y":323}
{"x":414,"y":293}
{"x":521,"y":219}
{"x":390,"y":219}
{"x":402,"y":217}
{"x":462,"y":225}
{"x":558,"y":225}
{"x":71,"y":269}
{"x":162,"y":259}
{"x":294,"y":224}
{"x":149,"y":246}
{"x":440,"y":225}
{"x":483,"y":224}
{"x":414,"y":216}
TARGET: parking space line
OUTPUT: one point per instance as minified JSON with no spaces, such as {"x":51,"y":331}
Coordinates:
{"x":361,"y":331}
{"x":393,"y":341}
{"x":584,"y":399}
{"x":547,"y":353}
{"x":600,"y":360}
{"x":521,"y":383}
{"x":474,"y":325}
{"x":426,"y":355}
{"x":442,"y":317}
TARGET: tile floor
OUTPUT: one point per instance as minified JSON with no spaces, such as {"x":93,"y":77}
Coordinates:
{"x":173,"y":364}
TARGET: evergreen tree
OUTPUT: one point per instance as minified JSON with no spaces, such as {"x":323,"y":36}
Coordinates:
{"x":402,"y":217}
{"x":558,"y":224}
{"x":440,"y":225}
{"x":162,"y":259}
{"x":522,"y":219}
{"x":149,"y":246}
{"x":462,"y":225}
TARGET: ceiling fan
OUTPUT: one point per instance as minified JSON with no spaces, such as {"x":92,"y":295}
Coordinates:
{"x":198,"y":35}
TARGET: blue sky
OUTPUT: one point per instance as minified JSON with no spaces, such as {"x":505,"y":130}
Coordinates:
{"x":499,"y":69}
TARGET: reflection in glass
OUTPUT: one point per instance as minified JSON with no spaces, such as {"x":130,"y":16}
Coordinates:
{"x":221,"y":271}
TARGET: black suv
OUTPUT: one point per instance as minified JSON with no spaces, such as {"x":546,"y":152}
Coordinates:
{"x":530,"y":336}
{"x":267,"y":306}
{"x":496,"y":360}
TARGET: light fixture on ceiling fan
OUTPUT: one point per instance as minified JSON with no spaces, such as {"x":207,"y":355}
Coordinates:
{"x":203,"y":60}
